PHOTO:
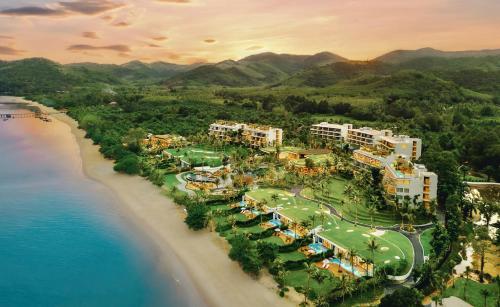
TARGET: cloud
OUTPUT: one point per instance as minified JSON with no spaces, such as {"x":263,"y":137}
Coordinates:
{"x":154,"y":46}
{"x":64,"y":8}
{"x":209,"y":40}
{"x":33,"y":11}
{"x":122,"y":24}
{"x":107,"y":17}
{"x":90,"y":7}
{"x":122,"y":49}
{"x":6,"y":37}
{"x":254,"y":48}
{"x":159,"y":38}
{"x":91,"y":35}
{"x":9,"y":51}
{"x":175,"y":1}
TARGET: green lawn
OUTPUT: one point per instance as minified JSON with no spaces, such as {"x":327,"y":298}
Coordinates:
{"x":198,"y":156}
{"x":425,"y":239}
{"x":298,"y":279}
{"x":274,"y":240}
{"x":170,"y":182}
{"x":473,"y":291}
{"x":393,"y":246}
{"x":336,"y":188}
{"x":292,"y":256}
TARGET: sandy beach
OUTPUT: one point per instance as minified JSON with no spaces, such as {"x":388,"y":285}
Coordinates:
{"x":202,"y":255}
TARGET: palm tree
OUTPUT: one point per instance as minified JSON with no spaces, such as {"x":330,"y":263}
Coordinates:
{"x":340,"y":256}
{"x":373,"y":246}
{"x":275,"y":198}
{"x":467,"y":275}
{"x":372,"y":209}
{"x":485,"y":293}
{"x":352,"y":254}
{"x":311,"y":270}
{"x":294,"y":226}
{"x":321,"y":301}
{"x":345,"y":286}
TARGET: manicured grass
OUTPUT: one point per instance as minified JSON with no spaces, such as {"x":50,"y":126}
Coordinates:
{"x":393,"y":246}
{"x":336,"y":187}
{"x":425,"y":239}
{"x":298,"y":279}
{"x":170,"y":182}
{"x":292,"y":256}
{"x":198,"y":156}
{"x":473,"y":292}
{"x":274,"y":240}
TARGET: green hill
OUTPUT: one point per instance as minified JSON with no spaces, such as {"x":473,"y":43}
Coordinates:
{"x":400,"y":56}
{"x":260,"y":69}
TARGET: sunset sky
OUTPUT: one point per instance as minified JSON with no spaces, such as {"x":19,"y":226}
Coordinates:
{"x":187,"y":31}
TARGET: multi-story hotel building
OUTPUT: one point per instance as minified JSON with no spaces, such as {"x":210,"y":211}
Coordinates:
{"x":331,"y":132}
{"x":403,"y":179}
{"x":251,"y":134}
{"x":381,"y":141}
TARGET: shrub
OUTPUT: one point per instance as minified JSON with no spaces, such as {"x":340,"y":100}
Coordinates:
{"x":128,"y":165}
{"x":196,"y":218}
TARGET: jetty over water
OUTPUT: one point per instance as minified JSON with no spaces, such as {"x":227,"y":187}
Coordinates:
{"x":41,"y":115}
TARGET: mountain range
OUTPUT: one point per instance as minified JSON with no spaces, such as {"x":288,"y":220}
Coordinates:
{"x":476,"y":70}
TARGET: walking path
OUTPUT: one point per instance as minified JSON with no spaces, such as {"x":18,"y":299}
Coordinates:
{"x":182,"y":185}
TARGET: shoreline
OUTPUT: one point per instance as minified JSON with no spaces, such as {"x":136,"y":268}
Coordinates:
{"x":205,"y":265}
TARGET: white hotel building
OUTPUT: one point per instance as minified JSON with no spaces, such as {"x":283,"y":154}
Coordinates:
{"x":251,"y":134}
{"x":381,"y":149}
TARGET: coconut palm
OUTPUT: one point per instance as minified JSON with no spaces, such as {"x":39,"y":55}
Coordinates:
{"x":485,"y":293}
{"x":372,"y":209}
{"x":340,"y":255}
{"x":321,"y":301}
{"x":311,"y":270}
{"x":467,"y":275}
{"x":373,"y":246}
{"x":345,"y":286}
{"x":352,"y":254}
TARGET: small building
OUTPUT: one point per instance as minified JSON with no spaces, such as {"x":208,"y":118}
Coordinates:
{"x":158,"y":142}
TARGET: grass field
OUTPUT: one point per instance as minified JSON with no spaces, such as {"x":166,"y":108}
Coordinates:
{"x":473,"y":292}
{"x":298,"y":279}
{"x":198,"y":156}
{"x":350,"y":211}
{"x":393,"y":245}
{"x":425,"y":238}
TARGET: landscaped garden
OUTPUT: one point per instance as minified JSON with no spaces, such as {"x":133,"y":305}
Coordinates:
{"x":425,"y":239}
{"x":197,"y":156}
{"x":474,"y":292}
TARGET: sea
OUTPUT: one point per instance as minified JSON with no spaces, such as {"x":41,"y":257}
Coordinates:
{"x":62,"y":240}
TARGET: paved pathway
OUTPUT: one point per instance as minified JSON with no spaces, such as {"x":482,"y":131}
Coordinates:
{"x":182,"y":185}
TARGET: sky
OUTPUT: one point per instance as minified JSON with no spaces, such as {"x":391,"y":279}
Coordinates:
{"x":192,"y":31}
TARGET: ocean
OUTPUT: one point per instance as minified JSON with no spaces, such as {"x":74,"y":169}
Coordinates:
{"x":62,"y":241}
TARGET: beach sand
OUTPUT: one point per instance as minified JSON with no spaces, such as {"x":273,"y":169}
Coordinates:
{"x":203,"y":255}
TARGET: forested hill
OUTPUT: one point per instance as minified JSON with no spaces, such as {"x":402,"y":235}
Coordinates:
{"x":475,"y":73}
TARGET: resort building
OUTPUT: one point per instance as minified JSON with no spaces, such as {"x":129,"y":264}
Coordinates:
{"x":164,"y":141}
{"x":383,"y":141}
{"x":403,"y":179}
{"x":252,"y":135}
{"x":331,"y":132}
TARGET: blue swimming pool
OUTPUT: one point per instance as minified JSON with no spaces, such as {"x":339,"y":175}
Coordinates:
{"x":292,"y":234}
{"x":318,"y":248}
{"x":346,"y":267}
{"x":275,"y":222}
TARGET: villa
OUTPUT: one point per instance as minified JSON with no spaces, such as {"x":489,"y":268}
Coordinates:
{"x":252,"y":135}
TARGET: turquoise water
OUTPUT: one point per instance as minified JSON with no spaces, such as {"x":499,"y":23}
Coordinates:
{"x":62,"y":242}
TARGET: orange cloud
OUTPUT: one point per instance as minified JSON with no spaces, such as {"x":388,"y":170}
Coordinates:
{"x":159,"y":38}
{"x":209,"y":40}
{"x":91,"y":35}
{"x":82,"y":47}
{"x":175,"y":1}
{"x":254,"y":48}
{"x":10,"y":51}
{"x":122,"y":24}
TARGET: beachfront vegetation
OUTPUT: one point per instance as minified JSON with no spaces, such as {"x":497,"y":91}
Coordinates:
{"x":455,"y":115}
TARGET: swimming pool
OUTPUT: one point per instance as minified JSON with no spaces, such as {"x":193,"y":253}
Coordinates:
{"x":275,"y":222}
{"x":346,"y":266}
{"x":290,"y":233}
{"x":318,"y":248}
